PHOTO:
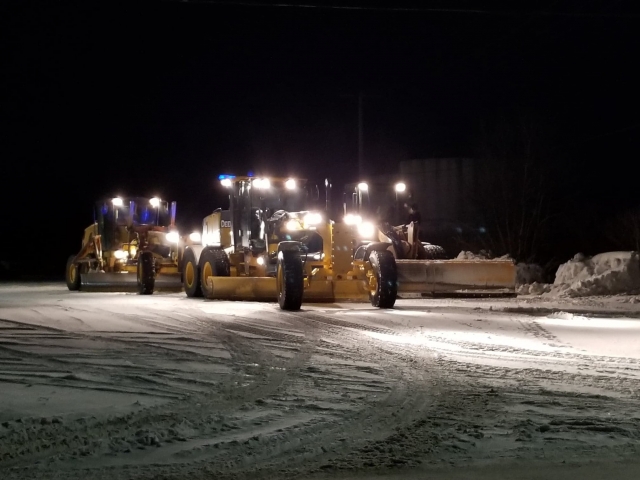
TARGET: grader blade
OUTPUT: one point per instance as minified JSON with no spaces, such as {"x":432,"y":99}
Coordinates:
{"x":126,"y":282}
{"x":470,"y":278}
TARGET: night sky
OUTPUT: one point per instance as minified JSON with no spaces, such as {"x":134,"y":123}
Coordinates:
{"x":101,"y":99}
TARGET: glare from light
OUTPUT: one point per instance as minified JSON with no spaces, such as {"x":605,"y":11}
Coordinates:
{"x":366,"y":230}
{"x":363,"y":187}
{"x":117,"y":202}
{"x":351,"y":219}
{"x":291,"y":184}
{"x":312,"y":218}
{"x":401,"y":187}
{"x":195,"y":236}
{"x":292,"y":225}
{"x":173,"y":237}
{"x":155,"y":202}
{"x":260,"y":260}
{"x":226,"y":182}
{"x":262,"y":183}
{"x":133,"y":250}
{"x":120,"y":254}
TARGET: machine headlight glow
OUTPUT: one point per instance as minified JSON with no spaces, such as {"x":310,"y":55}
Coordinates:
{"x":260,"y":260}
{"x":195,"y":236}
{"x":363,"y":187}
{"x":290,"y":184}
{"x":155,"y":202}
{"x":293,"y":225}
{"x":226,"y":182}
{"x":400,"y":187}
{"x":120,"y":254}
{"x":133,"y":250}
{"x":351,"y":219}
{"x":366,"y":230}
{"x":262,"y":183}
{"x":313,"y":218}
{"x":117,"y":202}
{"x":173,"y":237}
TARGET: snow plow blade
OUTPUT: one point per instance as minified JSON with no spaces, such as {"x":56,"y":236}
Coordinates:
{"x":264,"y":289}
{"x":460,"y":278}
{"x":126,"y":282}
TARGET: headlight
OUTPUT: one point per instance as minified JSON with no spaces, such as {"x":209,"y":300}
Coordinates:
{"x":195,"y":237}
{"x":173,"y":237}
{"x":290,"y":184}
{"x":366,"y":230}
{"x":312,"y":219}
{"x":120,"y":254}
{"x":133,"y":250}
{"x":351,"y":219}
{"x":260,"y":260}
{"x":292,"y":225}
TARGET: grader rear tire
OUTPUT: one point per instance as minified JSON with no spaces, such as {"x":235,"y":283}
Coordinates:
{"x":384,"y":292}
{"x":72,"y":275}
{"x":290,"y":280}
{"x":146,"y":273}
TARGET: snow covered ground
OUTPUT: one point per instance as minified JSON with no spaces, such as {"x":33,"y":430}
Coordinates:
{"x":120,"y":386}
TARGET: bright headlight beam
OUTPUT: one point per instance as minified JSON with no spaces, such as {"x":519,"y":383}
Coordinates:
{"x":401,"y":187}
{"x":363,"y":187}
{"x":117,"y":202}
{"x":195,"y":236}
{"x":291,"y":184}
{"x":366,"y":230}
{"x":292,"y":225}
{"x":155,"y":202}
{"x":173,"y":237}
{"x":351,"y":219}
{"x":312,"y":218}
{"x":226,"y":182}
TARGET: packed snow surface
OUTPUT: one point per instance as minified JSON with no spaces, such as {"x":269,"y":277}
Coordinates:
{"x":122,"y":386}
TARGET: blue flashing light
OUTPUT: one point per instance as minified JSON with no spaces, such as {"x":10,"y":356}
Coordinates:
{"x":223,"y":177}
{"x":250,"y":174}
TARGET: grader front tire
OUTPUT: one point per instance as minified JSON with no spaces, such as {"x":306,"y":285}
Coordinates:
{"x":290,"y":280}
{"x":146,"y":273}
{"x":384,"y":290}
{"x":72,"y":275}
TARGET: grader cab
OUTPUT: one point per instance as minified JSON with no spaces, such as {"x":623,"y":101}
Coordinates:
{"x":131,"y":246}
{"x":270,"y":246}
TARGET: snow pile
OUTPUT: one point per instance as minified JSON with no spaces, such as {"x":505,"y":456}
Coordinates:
{"x":481,"y":255}
{"x":607,"y":273}
{"x":604,"y":274}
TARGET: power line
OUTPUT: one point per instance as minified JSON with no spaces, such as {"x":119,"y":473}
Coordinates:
{"x":413,"y":9}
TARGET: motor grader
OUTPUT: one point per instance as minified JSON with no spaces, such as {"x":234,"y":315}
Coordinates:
{"x":423,"y":269}
{"x":270,"y":246}
{"x":132,"y":245}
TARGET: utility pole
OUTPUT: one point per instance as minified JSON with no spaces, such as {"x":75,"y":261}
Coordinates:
{"x":360,"y":138}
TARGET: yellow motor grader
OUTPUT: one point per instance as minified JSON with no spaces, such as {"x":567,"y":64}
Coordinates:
{"x":269,"y":246}
{"x":131,"y":246}
{"x":423,"y":269}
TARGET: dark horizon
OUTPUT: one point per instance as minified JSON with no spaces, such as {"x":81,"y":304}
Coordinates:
{"x":160,"y":99}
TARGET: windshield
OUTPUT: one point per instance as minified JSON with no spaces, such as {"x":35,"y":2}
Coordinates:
{"x":277,"y":197}
{"x":135,"y":211}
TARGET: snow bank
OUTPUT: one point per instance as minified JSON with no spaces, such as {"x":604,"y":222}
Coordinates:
{"x":481,"y":255}
{"x":607,"y":273}
{"x":529,"y":273}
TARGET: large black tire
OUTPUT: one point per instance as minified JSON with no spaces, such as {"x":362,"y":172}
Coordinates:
{"x":146,"y":273}
{"x":290,"y":280}
{"x":213,"y":262}
{"x":191,"y":275}
{"x":434,"y":252}
{"x":72,"y":275}
{"x":386,"y":274}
